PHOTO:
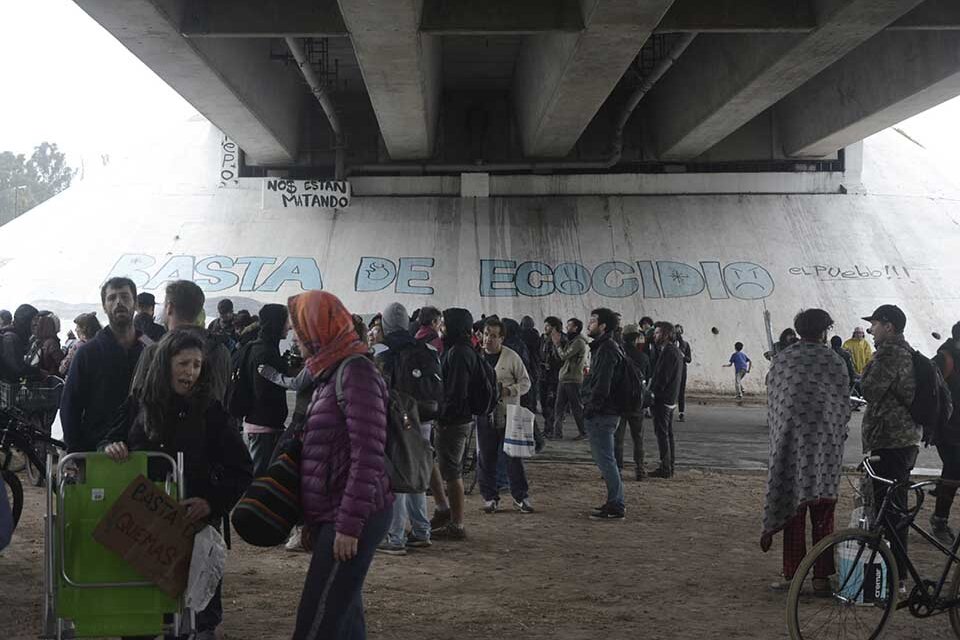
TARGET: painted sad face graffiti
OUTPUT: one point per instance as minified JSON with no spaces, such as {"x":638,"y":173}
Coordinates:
{"x":747,"y":281}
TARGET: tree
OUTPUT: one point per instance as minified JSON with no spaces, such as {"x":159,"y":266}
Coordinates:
{"x":25,"y":183}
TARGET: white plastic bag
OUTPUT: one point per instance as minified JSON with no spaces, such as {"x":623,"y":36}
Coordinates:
{"x":518,"y":437}
{"x":206,"y":568}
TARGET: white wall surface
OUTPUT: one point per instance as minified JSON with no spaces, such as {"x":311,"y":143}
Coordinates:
{"x":161,"y":214}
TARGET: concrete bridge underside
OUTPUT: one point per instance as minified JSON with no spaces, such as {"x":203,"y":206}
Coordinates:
{"x":433,"y":85}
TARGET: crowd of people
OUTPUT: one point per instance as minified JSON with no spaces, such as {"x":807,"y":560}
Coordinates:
{"x":219,"y":395}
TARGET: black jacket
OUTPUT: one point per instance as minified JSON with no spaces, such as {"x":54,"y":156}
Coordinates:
{"x":667,"y":374}
{"x":97,"y":385}
{"x":145,"y":325}
{"x":460,"y":366}
{"x":605,"y":357}
{"x":550,"y":362}
{"x":13,"y":351}
{"x":640,"y":359}
{"x":950,"y":350}
{"x":217,"y":466}
{"x":269,"y":407}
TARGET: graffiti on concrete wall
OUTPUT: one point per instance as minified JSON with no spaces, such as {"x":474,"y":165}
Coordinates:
{"x":496,"y":278}
{"x":851,"y":272}
{"x":219,"y":273}
{"x":618,"y":279}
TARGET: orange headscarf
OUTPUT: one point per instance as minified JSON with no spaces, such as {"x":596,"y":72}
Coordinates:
{"x":325,"y":329}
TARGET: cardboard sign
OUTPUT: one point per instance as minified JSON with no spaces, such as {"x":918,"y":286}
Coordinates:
{"x":149,"y":530}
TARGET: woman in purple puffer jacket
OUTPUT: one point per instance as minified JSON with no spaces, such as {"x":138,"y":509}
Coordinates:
{"x":344,"y":488}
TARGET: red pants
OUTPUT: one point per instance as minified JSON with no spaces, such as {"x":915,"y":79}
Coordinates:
{"x":795,"y":538}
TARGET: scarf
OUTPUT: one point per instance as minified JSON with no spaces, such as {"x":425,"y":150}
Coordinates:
{"x":325,"y":330}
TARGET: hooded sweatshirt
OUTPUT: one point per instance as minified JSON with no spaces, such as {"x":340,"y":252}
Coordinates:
{"x":269,"y":407}
{"x":459,"y":365}
{"x":14,"y":342}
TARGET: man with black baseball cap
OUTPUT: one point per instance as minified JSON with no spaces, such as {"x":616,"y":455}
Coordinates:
{"x":143,"y":321}
{"x":889,"y":384}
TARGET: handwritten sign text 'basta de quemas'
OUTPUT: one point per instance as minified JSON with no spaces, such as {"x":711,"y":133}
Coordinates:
{"x":280,"y":193}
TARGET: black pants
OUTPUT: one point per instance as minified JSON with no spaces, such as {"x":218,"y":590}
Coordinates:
{"x":682,"y":400}
{"x":895,"y":464}
{"x":663,"y":427}
{"x":548,"y":401}
{"x":635,"y":422}
{"x":490,"y":447}
{"x":950,"y":456}
{"x":331,"y":607}
{"x":568,"y":395}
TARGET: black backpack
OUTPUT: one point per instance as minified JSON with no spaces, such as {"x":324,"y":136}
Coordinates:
{"x":240,"y":389}
{"x":484,"y":394}
{"x":415,"y":371}
{"x":408,"y":455}
{"x":932,"y":405}
{"x":628,"y":390}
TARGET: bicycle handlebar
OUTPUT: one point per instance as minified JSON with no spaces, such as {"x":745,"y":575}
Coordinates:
{"x":867,"y":466}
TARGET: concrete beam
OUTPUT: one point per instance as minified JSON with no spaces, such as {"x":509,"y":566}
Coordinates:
{"x":932,"y":15}
{"x":723,"y":81}
{"x":563,"y":79}
{"x":890,"y":78}
{"x":739,"y":16}
{"x":401,"y":71}
{"x":500,"y":17}
{"x":232,"y":82}
{"x":257,"y":19}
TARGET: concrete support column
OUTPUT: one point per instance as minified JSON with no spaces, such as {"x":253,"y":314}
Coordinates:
{"x":891,"y":77}
{"x":562,"y":79}
{"x":401,"y":70}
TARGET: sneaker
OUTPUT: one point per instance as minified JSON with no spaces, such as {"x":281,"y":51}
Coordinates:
{"x":490,"y":506}
{"x":392,"y":549}
{"x":439,"y":519}
{"x":780,"y":585}
{"x":680,"y":418}
{"x":580,"y":436}
{"x":294,"y":543}
{"x":661,"y":473}
{"x":941,"y":531}
{"x":449,"y":531}
{"x":414,"y":542}
{"x":606,"y":512}
{"x":523,"y":506}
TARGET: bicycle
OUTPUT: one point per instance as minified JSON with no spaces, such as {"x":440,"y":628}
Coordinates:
{"x":858,"y":576}
{"x":469,"y":461}
{"x":17,"y":434}
{"x":35,"y":403}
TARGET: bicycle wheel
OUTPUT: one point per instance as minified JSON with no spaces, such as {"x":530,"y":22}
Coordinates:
{"x":953,"y":592}
{"x":469,"y":463}
{"x":14,"y":495}
{"x":862,"y":588}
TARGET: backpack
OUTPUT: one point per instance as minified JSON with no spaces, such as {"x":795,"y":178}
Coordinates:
{"x":415,"y":371}
{"x":239,"y":398}
{"x":483,"y":392}
{"x":932,"y":404}
{"x":629,"y":392}
{"x":408,"y":455}
{"x":270,"y":507}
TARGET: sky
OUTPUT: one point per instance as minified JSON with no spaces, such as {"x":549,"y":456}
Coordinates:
{"x":74,"y":84}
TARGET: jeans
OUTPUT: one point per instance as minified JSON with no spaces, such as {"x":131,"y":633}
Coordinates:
{"x":490,"y":447}
{"x":635,"y":422}
{"x":601,"y":429}
{"x":663,"y":427}
{"x":331,"y":606}
{"x":261,"y":446}
{"x":412,"y":506}
{"x":568,"y":395}
{"x":737,"y":381}
{"x":895,"y":464}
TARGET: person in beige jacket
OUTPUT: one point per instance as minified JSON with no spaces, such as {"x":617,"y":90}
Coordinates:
{"x":513,"y":381}
{"x":574,"y":357}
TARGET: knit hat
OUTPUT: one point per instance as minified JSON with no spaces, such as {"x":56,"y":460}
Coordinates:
{"x":395,"y":319}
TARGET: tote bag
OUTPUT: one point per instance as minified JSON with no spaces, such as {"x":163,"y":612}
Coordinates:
{"x":518,"y":437}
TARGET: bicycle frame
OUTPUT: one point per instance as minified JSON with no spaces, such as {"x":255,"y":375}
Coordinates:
{"x":883,"y":526}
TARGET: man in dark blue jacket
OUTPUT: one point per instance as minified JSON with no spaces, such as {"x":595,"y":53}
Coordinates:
{"x":101,"y":372}
{"x":667,"y":376}
{"x":600,"y":415}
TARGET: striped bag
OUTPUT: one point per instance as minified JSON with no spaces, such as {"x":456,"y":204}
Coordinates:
{"x":270,"y":507}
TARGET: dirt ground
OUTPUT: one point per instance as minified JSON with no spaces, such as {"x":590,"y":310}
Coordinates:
{"x":684,"y":564}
